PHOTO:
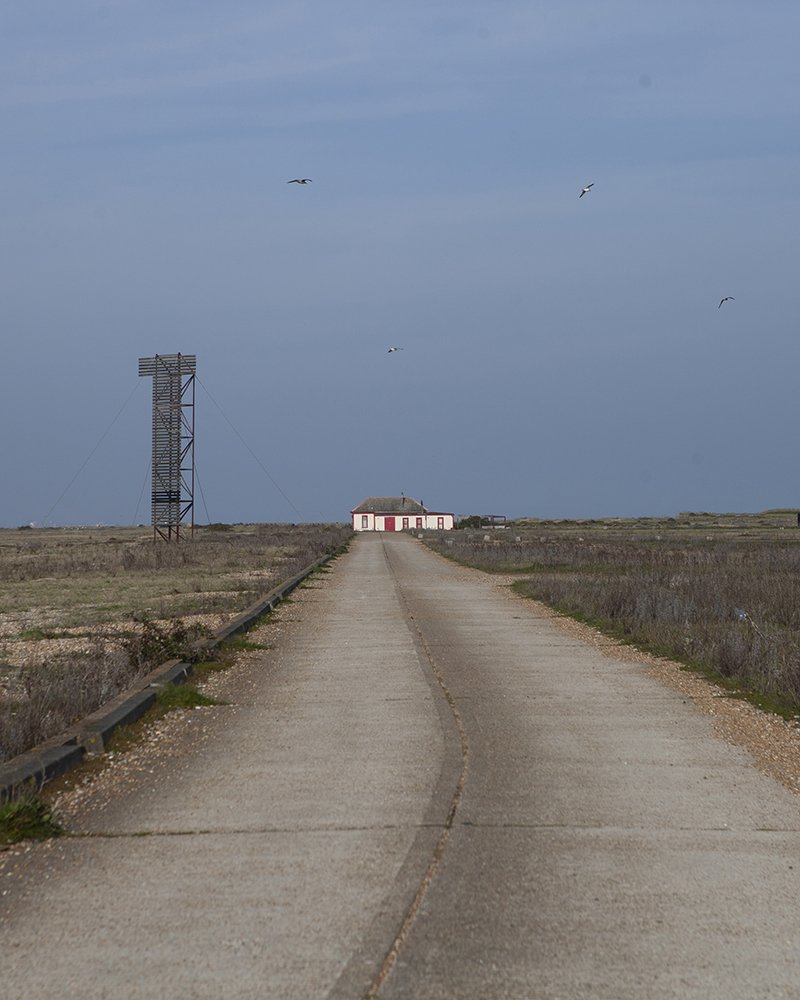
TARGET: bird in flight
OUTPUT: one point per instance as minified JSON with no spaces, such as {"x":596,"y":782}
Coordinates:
{"x":300,"y":180}
{"x":585,"y":190}
{"x":391,"y":349}
{"x":728,"y":298}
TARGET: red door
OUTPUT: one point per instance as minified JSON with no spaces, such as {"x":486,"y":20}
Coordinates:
{"x":388,"y":524}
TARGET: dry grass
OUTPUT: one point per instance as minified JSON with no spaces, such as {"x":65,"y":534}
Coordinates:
{"x":84,"y":612}
{"x":720,"y":593}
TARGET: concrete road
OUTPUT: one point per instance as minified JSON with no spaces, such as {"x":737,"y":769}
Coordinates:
{"x":422,"y":790}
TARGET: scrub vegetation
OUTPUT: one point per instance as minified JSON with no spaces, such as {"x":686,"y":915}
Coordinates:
{"x":718,"y":593}
{"x":84,"y":612}
{"x":27,"y":817}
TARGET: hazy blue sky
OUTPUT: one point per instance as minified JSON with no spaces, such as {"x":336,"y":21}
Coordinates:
{"x":562,"y":357}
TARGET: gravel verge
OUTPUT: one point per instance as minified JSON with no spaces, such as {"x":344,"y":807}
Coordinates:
{"x":773,"y":742}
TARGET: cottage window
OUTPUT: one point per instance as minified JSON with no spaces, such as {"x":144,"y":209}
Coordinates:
{"x":405,"y":523}
{"x":365,"y":520}
{"x":440,"y":523}
{"x":419,"y":522}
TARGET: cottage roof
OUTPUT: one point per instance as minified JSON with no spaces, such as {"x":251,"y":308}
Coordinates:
{"x":389,"y":505}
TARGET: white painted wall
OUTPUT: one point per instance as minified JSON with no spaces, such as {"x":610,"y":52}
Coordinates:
{"x":433,"y":522}
{"x":429,"y":522}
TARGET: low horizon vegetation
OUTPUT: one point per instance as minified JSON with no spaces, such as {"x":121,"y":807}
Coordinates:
{"x":719,"y":593}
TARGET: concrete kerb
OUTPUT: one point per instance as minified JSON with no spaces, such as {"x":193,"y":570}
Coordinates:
{"x":45,"y":762}
{"x":60,"y":754}
{"x":97,"y":729}
{"x":248,"y":618}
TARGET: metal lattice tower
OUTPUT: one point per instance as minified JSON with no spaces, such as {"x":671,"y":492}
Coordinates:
{"x":173,"y":442}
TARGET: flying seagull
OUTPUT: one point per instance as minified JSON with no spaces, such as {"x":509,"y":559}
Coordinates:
{"x":300,"y":180}
{"x":394,"y":349}
{"x":728,"y":298}
{"x":586,"y":190}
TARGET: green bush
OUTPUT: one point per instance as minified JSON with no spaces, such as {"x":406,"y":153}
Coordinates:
{"x":473,"y":521}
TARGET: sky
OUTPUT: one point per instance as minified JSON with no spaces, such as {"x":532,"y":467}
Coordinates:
{"x":562,"y":356}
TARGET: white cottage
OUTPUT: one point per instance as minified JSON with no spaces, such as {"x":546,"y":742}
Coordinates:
{"x":397,"y":514}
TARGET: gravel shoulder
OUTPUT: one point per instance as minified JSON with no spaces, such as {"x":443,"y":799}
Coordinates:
{"x":773,"y":742}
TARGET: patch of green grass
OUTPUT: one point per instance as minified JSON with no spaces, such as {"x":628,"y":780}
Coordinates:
{"x":539,"y":567}
{"x":171,"y":696}
{"x":183,"y":696}
{"x":210,"y":667}
{"x":236,"y":645}
{"x":786,"y":708}
{"x":27,"y":818}
{"x":33,"y":634}
{"x":124,"y":737}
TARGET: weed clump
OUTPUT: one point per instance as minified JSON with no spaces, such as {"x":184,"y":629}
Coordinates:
{"x":155,"y":643}
{"x":27,"y":818}
{"x":183,"y":696}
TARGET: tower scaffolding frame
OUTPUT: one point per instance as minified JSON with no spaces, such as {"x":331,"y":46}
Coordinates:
{"x":173,"y":467}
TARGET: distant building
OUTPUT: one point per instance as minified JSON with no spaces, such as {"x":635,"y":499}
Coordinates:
{"x":397,"y":514}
